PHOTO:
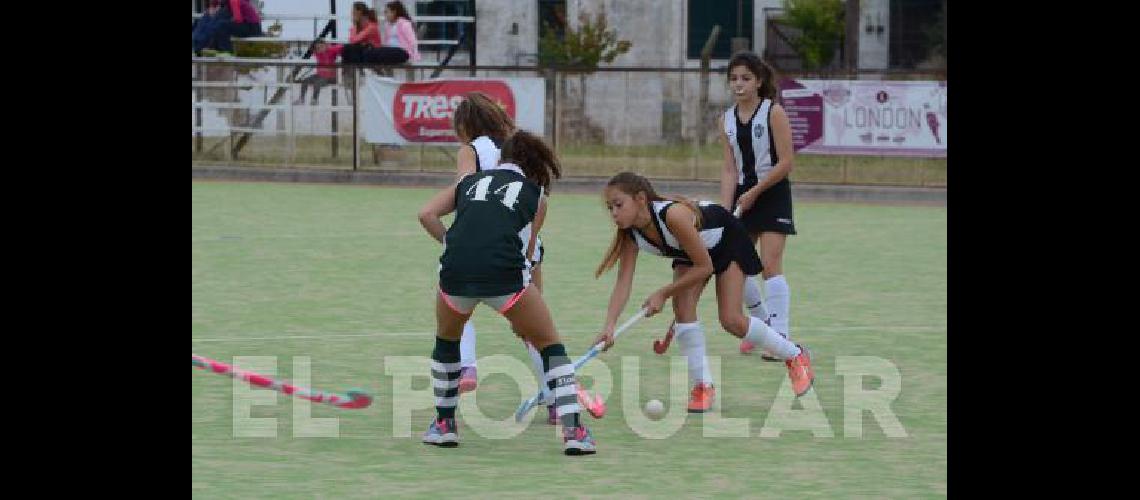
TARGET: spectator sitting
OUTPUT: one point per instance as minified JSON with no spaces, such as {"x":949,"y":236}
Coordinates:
{"x":399,"y":39}
{"x":364,"y":33}
{"x":400,"y":44}
{"x":239,"y":19}
{"x":205,"y":27}
{"x":326,"y":55}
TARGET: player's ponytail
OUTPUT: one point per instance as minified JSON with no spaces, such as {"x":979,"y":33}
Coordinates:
{"x":631,"y":184}
{"x":769,"y":89}
{"x":533,"y":156}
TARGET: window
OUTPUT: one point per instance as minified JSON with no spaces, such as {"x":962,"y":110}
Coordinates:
{"x":704,"y":14}
{"x":912,"y":24}
{"x":443,"y":31}
{"x":552,"y":14}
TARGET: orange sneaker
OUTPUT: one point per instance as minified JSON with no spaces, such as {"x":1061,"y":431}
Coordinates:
{"x":701,"y":399}
{"x":799,"y":370}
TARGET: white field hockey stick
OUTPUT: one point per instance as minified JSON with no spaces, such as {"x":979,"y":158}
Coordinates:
{"x":527,"y":405}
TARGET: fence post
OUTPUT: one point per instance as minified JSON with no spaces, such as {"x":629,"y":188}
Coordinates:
{"x":355,"y":119}
{"x":334,"y":141}
{"x":198,"y":111}
{"x":706,"y":53}
{"x":237,"y":112}
{"x":557,"y":109}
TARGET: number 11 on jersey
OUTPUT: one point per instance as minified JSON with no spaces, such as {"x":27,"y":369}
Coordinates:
{"x":510,"y":198}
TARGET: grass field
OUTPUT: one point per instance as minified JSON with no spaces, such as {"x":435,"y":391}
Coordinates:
{"x":344,"y":275}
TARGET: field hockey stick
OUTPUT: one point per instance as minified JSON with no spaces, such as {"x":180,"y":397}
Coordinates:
{"x":660,"y":346}
{"x":590,"y":354}
{"x":355,"y":399}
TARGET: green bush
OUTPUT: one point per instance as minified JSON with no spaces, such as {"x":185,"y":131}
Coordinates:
{"x":821,"y":24}
{"x":585,"y":47}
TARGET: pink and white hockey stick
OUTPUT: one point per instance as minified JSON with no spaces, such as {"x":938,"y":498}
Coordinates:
{"x":356,"y":398}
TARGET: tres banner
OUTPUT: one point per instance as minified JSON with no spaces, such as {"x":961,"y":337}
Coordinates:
{"x":395,"y":112}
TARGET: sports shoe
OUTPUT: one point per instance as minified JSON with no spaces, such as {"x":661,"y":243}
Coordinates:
{"x":594,"y":405}
{"x":701,"y":399}
{"x":799,"y":370}
{"x":551,"y":415}
{"x":578,"y":441}
{"x":443,"y":433}
{"x":467,"y":379}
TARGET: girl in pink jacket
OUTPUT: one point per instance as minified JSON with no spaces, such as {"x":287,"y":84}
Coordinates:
{"x":398,"y":31}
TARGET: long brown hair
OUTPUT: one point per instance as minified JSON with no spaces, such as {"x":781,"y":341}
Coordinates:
{"x":367,"y":15}
{"x":631,"y":184}
{"x":397,"y":7}
{"x":769,"y":89}
{"x":533,"y":156}
{"x":478,"y":115}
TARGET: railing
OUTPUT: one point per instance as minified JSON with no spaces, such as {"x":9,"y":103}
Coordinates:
{"x":316,"y":18}
{"x":642,"y":119}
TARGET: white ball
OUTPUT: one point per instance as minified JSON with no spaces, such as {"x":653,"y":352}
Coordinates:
{"x":654,"y":409}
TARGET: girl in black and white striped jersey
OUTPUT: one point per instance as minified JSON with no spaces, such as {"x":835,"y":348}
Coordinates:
{"x":757,"y":138}
{"x":703,"y":240}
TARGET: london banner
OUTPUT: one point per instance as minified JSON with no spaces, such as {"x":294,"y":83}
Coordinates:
{"x":857,"y":117}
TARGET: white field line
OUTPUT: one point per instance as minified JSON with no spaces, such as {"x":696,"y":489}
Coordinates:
{"x":426,"y":334}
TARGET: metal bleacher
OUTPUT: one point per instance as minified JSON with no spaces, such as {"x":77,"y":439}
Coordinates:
{"x":302,"y":48}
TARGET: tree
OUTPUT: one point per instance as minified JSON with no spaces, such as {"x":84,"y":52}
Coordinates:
{"x":820,"y":23}
{"x":580,"y":50}
{"x":584,"y":48}
{"x":936,"y":34}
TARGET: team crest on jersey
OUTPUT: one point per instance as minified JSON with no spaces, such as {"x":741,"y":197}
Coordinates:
{"x":758,"y":131}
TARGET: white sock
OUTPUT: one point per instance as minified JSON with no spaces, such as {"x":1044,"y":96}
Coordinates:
{"x":467,"y":345}
{"x":767,"y":338}
{"x":779,"y":298}
{"x":540,"y":372}
{"x":754,"y":298}
{"x":535,"y":359}
{"x":691,"y":339}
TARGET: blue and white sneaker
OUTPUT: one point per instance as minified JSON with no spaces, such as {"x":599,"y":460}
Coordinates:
{"x":578,"y":441}
{"x":442,"y":432}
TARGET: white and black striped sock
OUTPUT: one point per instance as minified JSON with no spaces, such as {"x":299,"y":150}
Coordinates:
{"x":560,"y":379}
{"x":445,"y":368}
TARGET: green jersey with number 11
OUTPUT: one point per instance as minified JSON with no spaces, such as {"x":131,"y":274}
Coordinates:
{"x":485,"y":247}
